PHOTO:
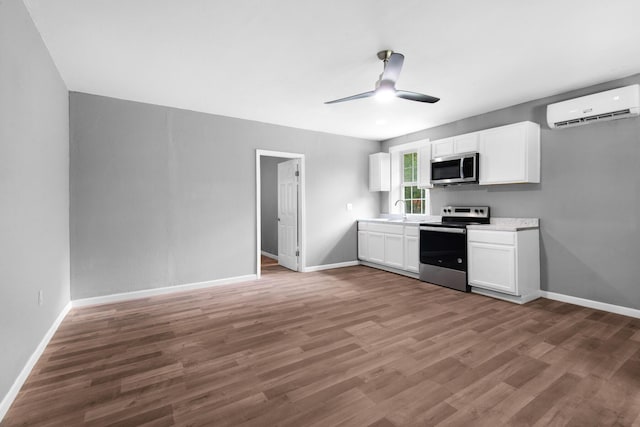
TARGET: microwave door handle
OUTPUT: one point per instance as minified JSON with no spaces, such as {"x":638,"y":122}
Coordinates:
{"x":462,"y":168}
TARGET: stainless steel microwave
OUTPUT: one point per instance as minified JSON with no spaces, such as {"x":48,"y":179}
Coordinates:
{"x":456,"y":169}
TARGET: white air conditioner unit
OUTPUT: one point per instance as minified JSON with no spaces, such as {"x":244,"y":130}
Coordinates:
{"x":613,"y":104}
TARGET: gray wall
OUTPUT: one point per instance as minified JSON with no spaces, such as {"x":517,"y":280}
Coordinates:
{"x":161,"y":196}
{"x":34,"y":190}
{"x":588,"y":200}
{"x":269,"y":203}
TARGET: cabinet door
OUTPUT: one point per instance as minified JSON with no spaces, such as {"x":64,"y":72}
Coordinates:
{"x":503,"y":154}
{"x":412,"y":253}
{"x":376,"y":247}
{"x":442,"y":147}
{"x":363,"y":245}
{"x":465,"y":143}
{"x":379,"y":172}
{"x":393,"y":250}
{"x":493,"y":267}
{"x":424,"y":167}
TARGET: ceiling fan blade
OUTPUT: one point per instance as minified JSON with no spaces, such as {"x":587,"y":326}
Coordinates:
{"x":413,"y":96}
{"x":392,"y":67}
{"x":352,"y":97}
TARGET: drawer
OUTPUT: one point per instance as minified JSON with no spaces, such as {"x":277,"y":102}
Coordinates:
{"x":492,"y":236}
{"x":386,"y":228}
{"x":363,"y":226}
{"x":410,"y":230}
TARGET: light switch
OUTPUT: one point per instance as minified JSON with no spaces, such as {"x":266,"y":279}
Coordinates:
{"x":349,"y":206}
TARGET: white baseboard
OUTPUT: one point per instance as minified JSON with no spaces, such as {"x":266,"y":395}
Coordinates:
{"x":269,"y":255}
{"x":617,"y":309}
{"x":329,"y":266}
{"x":8,"y":399}
{"x":523,"y":299}
{"x":126,"y":296}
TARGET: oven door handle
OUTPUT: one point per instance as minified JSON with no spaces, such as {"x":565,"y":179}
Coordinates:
{"x":444,"y":229}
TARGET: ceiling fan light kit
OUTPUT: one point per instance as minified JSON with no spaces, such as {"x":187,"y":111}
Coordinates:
{"x":386,"y":84}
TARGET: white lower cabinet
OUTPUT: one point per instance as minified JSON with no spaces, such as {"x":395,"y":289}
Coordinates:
{"x":363,"y":245}
{"x":390,"y":245}
{"x":412,"y":253}
{"x":493,"y":267}
{"x":505,"y":263}
{"x":376,"y":247}
{"x":394,"y":250}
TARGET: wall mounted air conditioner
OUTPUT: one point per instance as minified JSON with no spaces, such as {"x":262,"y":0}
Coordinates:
{"x":613,"y":104}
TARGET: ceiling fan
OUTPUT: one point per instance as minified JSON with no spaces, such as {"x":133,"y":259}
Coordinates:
{"x":386,"y":84}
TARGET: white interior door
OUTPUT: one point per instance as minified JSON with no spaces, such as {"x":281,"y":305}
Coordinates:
{"x":288,"y":214}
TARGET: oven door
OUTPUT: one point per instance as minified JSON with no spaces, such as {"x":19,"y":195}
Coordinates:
{"x":444,"y":247}
{"x":443,"y":257}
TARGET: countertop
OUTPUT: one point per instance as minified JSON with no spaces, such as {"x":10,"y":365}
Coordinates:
{"x":496,"y":224}
{"x":399,"y":220}
{"x":508,"y":224}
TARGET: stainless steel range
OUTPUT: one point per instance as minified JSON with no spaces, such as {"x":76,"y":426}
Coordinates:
{"x":443,"y":246}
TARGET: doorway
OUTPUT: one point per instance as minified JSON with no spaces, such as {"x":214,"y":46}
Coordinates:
{"x":287,"y":197}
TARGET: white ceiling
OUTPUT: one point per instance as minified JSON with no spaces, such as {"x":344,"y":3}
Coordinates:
{"x":277,"y":61}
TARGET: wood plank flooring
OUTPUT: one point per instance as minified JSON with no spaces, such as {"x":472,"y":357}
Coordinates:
{"x":347,"y":347}
{"x":267,"y":262}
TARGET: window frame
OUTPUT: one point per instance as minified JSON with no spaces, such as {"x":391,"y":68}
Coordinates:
{"x":397,"y":173}
{"x":411,"y":184}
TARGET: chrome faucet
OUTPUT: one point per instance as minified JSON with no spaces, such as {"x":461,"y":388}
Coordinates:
{"x":404,"y":207}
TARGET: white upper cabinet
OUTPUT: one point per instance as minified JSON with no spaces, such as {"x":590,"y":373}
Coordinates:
{"x":442,"y":147}
{"x":379,"y":172}
{"x":455,"y":145}
{"x":510,"y":154}
{"x":465,"y":143}
{"x":424,"y":166}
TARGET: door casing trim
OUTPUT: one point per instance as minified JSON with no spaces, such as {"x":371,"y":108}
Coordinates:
{"x":302,"y":261}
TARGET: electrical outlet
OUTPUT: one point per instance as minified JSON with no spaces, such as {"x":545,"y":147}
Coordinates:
{"x":40,"y":297}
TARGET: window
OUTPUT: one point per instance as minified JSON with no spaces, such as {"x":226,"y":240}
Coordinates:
{"x":405,"y":174}
{"x":414,"y":197}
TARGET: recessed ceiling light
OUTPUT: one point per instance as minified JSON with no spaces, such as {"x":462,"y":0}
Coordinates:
{"x":381,"y":122}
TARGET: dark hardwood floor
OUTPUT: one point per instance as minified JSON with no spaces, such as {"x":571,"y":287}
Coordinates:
{"x":348,"y":347}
